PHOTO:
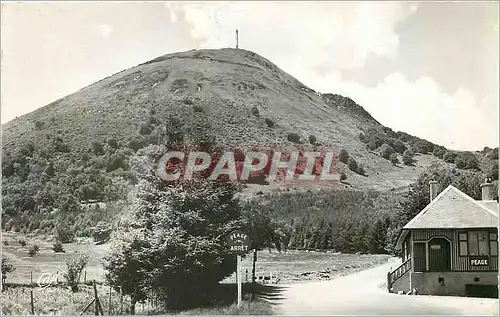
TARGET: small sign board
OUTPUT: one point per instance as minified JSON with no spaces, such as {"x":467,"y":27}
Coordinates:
{"x":239,"y":242}
{"x":435,"y":247}
{"x":478,"y":260}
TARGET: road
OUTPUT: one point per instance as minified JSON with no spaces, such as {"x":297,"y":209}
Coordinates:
{"x":363,"y":294}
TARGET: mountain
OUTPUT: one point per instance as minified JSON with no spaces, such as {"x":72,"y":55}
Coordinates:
{"x":80,"y":146}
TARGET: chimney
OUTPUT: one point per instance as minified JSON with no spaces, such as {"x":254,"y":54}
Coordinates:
{"x":486,"y":190}
{"x":433,"y":189}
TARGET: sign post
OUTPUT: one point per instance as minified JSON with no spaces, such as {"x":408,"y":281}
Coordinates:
{"x":239,"y":242}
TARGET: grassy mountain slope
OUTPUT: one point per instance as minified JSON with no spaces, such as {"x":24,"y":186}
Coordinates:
{"x":80,"y":146}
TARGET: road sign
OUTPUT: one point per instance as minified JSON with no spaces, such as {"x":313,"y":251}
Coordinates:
{"x":239,"y":242}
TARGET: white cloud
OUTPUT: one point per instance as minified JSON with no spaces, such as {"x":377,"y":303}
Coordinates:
{"x":315,"y":42}
{"x":104,"y":30}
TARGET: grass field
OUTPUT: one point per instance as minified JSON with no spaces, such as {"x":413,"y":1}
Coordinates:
{"x":291,"y":267}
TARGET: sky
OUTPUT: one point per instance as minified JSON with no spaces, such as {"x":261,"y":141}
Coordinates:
{"x":428,"y":69}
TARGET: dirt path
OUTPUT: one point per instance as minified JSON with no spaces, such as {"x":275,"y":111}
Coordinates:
{"x":363,"y":294}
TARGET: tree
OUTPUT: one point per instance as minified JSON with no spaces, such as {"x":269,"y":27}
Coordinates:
{"x":174,"y":242}
{"x":399,"y":146}
{"x":449,"y":156}
{"x":7,"y":268}
{"x":261,"y":228}
{"x":352,"y":164}
{"x":343,"y":156}
{"x":408,"y":157}
{"x":467,"y":160}
{"x":386,"y":150}
{"x":74,"y":268}
{"x":312,"y":139}
{"x":394,"y":158}
{"x":57,"y":247}
{"x":101,"y":232}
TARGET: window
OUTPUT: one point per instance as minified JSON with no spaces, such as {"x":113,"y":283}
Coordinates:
{"x":462,"y":237}
{"x":493,"y":244}
{"x":478,"y":243}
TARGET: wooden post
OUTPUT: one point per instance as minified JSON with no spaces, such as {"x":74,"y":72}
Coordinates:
{"x":238,"y":277}
{"x":31,"y":277}
{"x":32,"y":303}
{"x":121,"y":300}
{"x":57,"y":277}
{"x":236,"y":38}
{"x":85,"y":277}
{"x":109,"y":307}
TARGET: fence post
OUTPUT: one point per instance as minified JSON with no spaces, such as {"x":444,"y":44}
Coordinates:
{"x":109,"y":299}
{"x":57,"y":277}
{"x":85,"y":277}
{"x":121,"y":300}
{"x":32,"y":303}
{"x":31,"y":277}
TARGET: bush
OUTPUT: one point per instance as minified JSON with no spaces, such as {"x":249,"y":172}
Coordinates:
{"x":408,"y":157}
{"x":113,"y":143}
{"x":439,"y":151}
{"x":32,"y":250}
{"x":5,"y":242}
{"x":399,"y":146}
{"x":386,"y":151}
{"x":97,"y":148}
{"x":372,"y":145}
{"x":57,"y":247}
{"x":101,"y":232}
{"x":362,"y":138}
{"x":449,"y":157}
{"x":188,"y":100}
{"x":145,"y":128}
{"x":255,"y":111}
{"x":312,"y":139}
{"x":353,"y":165}
{"x":7,"y":267}
{"x":22,"y":242}
{"x":343,"y":176}
{"x":197,"y":108}
{"x":344,"y":156}
{"x":269,"y":123}
{"x":75,"y":266}
{"x":361,"y":170}
{"x":394,"y":158}
{"x":493,"y":154}
{"x":422,"y":146}
{"x":64,"y":234}
{"x":293,"y":137}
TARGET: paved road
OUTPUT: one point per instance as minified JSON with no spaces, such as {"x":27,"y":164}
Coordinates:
{"x":362,"y":294}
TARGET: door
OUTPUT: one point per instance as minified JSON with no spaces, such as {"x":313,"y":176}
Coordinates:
{"x":419,"y":256}
{"x":439,"y":255}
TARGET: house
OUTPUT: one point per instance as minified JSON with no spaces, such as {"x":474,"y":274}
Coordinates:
{"x":450,"y":247}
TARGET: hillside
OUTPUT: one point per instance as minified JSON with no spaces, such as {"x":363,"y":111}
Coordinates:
{"x":80,"y":147}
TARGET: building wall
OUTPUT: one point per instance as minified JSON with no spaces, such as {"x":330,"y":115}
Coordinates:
{"x":402,"y":284}
{"x":458,"y":263}
{"x":427,"y":283}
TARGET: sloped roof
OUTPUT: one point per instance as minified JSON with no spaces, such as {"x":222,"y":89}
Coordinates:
{"x":454,"y":209}
{"x":490,"y":204}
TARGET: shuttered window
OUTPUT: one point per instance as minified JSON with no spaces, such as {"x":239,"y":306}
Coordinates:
{"x":493,"y":244}
{"x":463,"y":243}
{"x":478,"y":243}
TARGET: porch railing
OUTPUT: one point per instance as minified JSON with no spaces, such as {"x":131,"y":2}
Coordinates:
{"x":397,"y":273}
